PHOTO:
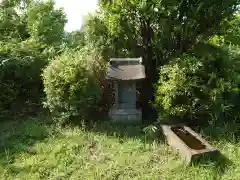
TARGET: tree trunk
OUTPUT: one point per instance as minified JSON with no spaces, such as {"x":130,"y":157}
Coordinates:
{"x":150,"y":69}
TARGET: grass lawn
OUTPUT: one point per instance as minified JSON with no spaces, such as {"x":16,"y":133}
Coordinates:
{"x":34,"y":149}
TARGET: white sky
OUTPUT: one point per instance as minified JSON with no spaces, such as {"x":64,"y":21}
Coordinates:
{"x":75,"y":10}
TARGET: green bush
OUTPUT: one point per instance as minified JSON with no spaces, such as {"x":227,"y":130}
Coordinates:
{"x":20,"y":75}
{"x":73,"y":84}
{"x":201,"y":86}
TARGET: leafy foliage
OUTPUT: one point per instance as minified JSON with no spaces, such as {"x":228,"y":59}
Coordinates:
{"x":45,"y":23}
{"x":31,"y":32}
{"x":20,"y":69}
{"x":160,"y":30}
{"x":96,"y":34}
{"x":74,"y":39}
{"x":232,"y":31}
{"x":72,"y":83}
{"x":167,"y":27}
{"x":25,"y":51}
{"x":12,"y":25}
{"x":201,"y":85}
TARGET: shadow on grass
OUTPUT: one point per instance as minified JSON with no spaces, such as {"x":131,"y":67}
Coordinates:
{"x":221,"y":164}
{"x":122,"y":130}
{"x":217,"y":162}
{"x":19,"y":136}
{"x":220,"y":133}
{"x":117,"y":130}
{"x":228,"y":132}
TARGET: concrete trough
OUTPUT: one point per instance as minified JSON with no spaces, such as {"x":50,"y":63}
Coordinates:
{"x":187,"y":143}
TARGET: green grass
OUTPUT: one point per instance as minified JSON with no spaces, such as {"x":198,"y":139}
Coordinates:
{"x":34,"y":149}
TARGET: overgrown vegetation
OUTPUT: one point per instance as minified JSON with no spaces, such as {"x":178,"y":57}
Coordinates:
{"x":201,"y":86}
{"x":35,"y":150}
{"x":20,"y":70}
{"x":73,"y":84}
{"x":31,"y":33}
{"x":159,"y":31}
{"x":191,"y":55}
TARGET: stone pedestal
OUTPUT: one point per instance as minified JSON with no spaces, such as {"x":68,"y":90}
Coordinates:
{"x":126,"y":115}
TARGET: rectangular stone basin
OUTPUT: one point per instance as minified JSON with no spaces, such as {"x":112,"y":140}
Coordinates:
{"x":188,"y":143}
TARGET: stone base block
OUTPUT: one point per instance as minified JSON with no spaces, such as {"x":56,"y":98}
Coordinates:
{"x":126,"y":115}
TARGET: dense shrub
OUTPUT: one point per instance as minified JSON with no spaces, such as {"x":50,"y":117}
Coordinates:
{"x":20,"y":75}
{"x":73,"y":83}
{"x":200,"y":86}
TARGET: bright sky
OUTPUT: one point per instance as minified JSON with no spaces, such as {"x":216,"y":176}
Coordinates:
{"x":75,"y":10}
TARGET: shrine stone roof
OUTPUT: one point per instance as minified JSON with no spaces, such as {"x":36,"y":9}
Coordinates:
{"x":125,"y":69}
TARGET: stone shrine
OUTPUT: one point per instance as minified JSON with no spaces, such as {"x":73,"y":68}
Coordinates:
{"x":125,"y":73}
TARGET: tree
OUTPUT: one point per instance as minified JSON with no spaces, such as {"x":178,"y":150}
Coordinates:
{"x":75,"y":39}
{"x":96,"y":33}
{"x":160,"y":30}
{"x":45,"y":23}
{"x":232,"y":33}
{"x":30,"y":34}
{"x":16,"y":3}
{"x":12,"y":24}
